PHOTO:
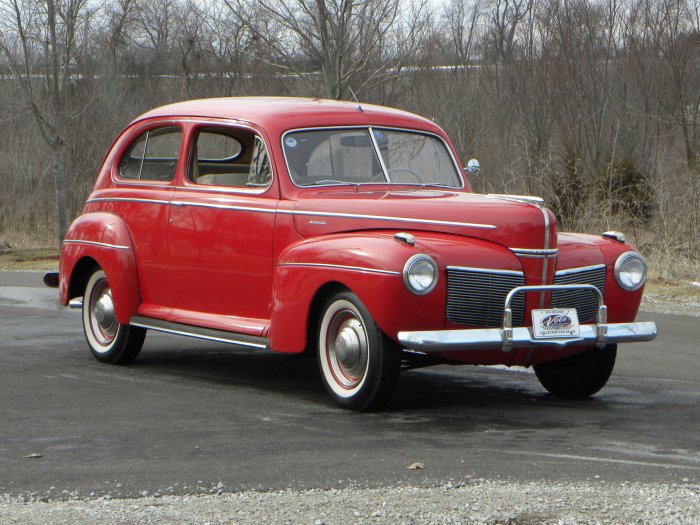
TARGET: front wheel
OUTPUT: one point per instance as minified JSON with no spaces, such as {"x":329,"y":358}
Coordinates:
{"x":109,"y":341}
{"x":360,"y":366}
{"x":580,"y":375}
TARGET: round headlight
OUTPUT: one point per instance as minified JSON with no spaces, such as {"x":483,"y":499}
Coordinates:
{"x":420,"y":274}
{"x":630,"y":271}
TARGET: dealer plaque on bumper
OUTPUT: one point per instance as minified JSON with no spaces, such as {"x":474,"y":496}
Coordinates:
{"x":555,"y":322}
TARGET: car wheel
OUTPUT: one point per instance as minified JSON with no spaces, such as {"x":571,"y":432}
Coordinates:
{"x":109,"y":341}
{"x":360,"y":366}
{"x":580,"y":375}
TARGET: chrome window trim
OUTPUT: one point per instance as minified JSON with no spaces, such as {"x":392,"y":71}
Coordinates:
{"x":342,"y":267}
{"x":486,"y":270}
{"x":171,"y":184}
{"x":148,"y":127}
{"x":569,"y":271}
{"x":369,"y":128}
{"x":95,"y":243}
{"x":378,"y":153}
{"x":228,"y":189}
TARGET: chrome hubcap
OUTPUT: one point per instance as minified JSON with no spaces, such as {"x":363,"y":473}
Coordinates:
{"x":347,"y":348}
{"x":103,"y":318}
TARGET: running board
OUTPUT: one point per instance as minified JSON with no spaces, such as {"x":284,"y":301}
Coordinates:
{"x":208,"y":334}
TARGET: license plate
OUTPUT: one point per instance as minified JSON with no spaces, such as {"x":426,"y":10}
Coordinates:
{"x":555,"y":322}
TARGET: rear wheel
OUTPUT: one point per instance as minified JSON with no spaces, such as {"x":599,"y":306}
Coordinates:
{"x":580,"y":375}
{"x":360,"y":366}
{"x":109,"y":341}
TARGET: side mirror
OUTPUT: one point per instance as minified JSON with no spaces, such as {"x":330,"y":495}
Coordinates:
{"x":472,"y":167}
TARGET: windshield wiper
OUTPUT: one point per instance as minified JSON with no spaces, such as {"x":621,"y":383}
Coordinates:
{"x":438,"y":185}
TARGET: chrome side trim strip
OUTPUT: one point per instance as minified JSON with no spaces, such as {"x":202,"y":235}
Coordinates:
{"x":231,"y":340}
{"x":299,"y":212}
{"x":95,"y":243}
{"x":342,"y":267}
{"x":386,"y":218}
{"x":579,"y":269}
{"x":486,"y":270}
{"x":222,"y":206}
{"x":126,"y":199}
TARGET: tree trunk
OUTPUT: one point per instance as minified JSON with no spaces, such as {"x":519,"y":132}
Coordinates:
{"x":59,"y":177}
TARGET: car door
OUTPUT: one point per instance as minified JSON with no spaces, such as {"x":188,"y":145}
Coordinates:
{"x":144,"y":182}
{"x":221,"y":231}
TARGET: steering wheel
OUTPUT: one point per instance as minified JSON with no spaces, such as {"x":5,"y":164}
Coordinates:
{"x":412,"y":173}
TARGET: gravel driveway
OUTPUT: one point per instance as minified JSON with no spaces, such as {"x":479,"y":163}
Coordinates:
{"x":472,"y":502}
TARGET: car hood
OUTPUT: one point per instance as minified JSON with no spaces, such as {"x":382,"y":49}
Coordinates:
{"x":503,"y":220}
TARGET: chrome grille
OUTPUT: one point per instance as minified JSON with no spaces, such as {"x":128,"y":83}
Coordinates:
{"x":584,"y":301}
{"x":475,"y":297}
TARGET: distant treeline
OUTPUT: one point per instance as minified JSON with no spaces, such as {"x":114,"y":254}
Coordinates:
{"x":594,"y":105}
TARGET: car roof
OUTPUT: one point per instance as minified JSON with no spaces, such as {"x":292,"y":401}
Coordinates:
{"x":284,"y":113}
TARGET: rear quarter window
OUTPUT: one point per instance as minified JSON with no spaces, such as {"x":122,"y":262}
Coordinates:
{"x":153,"y":155}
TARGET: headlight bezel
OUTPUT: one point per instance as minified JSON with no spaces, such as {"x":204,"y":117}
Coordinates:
{"x":618,"y":269}
{"x":410,"y":264}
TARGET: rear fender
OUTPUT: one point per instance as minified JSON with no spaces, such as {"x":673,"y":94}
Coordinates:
{"x":101,"y":240}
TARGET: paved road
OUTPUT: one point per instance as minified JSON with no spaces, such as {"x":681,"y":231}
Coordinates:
{"x":190,"y":416}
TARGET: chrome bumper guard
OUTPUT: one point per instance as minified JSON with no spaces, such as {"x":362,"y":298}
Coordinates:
{"x":506,"y":338}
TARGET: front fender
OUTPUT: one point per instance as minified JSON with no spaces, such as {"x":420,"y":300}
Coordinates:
{"x":370,"y":265}
{"x":100,"y":239}
{"x":578,"y":249}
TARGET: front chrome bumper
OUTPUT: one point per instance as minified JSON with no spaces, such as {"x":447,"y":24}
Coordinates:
{"x":506,"y":338}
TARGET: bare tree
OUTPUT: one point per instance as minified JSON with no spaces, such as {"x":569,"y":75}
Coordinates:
{"x":119,"y":20}
{"x":353,"y":42}
{"x":506,"y":16}
{"x":38,"y":43}
{"x":677,"y":38}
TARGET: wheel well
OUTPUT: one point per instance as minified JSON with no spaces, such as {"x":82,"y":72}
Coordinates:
{"x":323,"y":293}
{"x":79,"y":278}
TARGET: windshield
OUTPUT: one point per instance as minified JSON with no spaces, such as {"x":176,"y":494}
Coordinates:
{"x":351,"y":156}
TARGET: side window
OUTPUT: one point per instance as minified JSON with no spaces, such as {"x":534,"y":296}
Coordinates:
{"x":229,"y":157}
{"x":153,"y":156}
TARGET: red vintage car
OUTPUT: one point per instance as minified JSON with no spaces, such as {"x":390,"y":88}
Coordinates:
{"x":345,"y":229}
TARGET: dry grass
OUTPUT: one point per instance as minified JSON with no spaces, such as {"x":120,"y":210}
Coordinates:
{"x":678,"y":289}
{"x":29,"y":259}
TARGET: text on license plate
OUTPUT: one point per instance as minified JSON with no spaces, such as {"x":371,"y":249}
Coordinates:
{"x":555,"y":322}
